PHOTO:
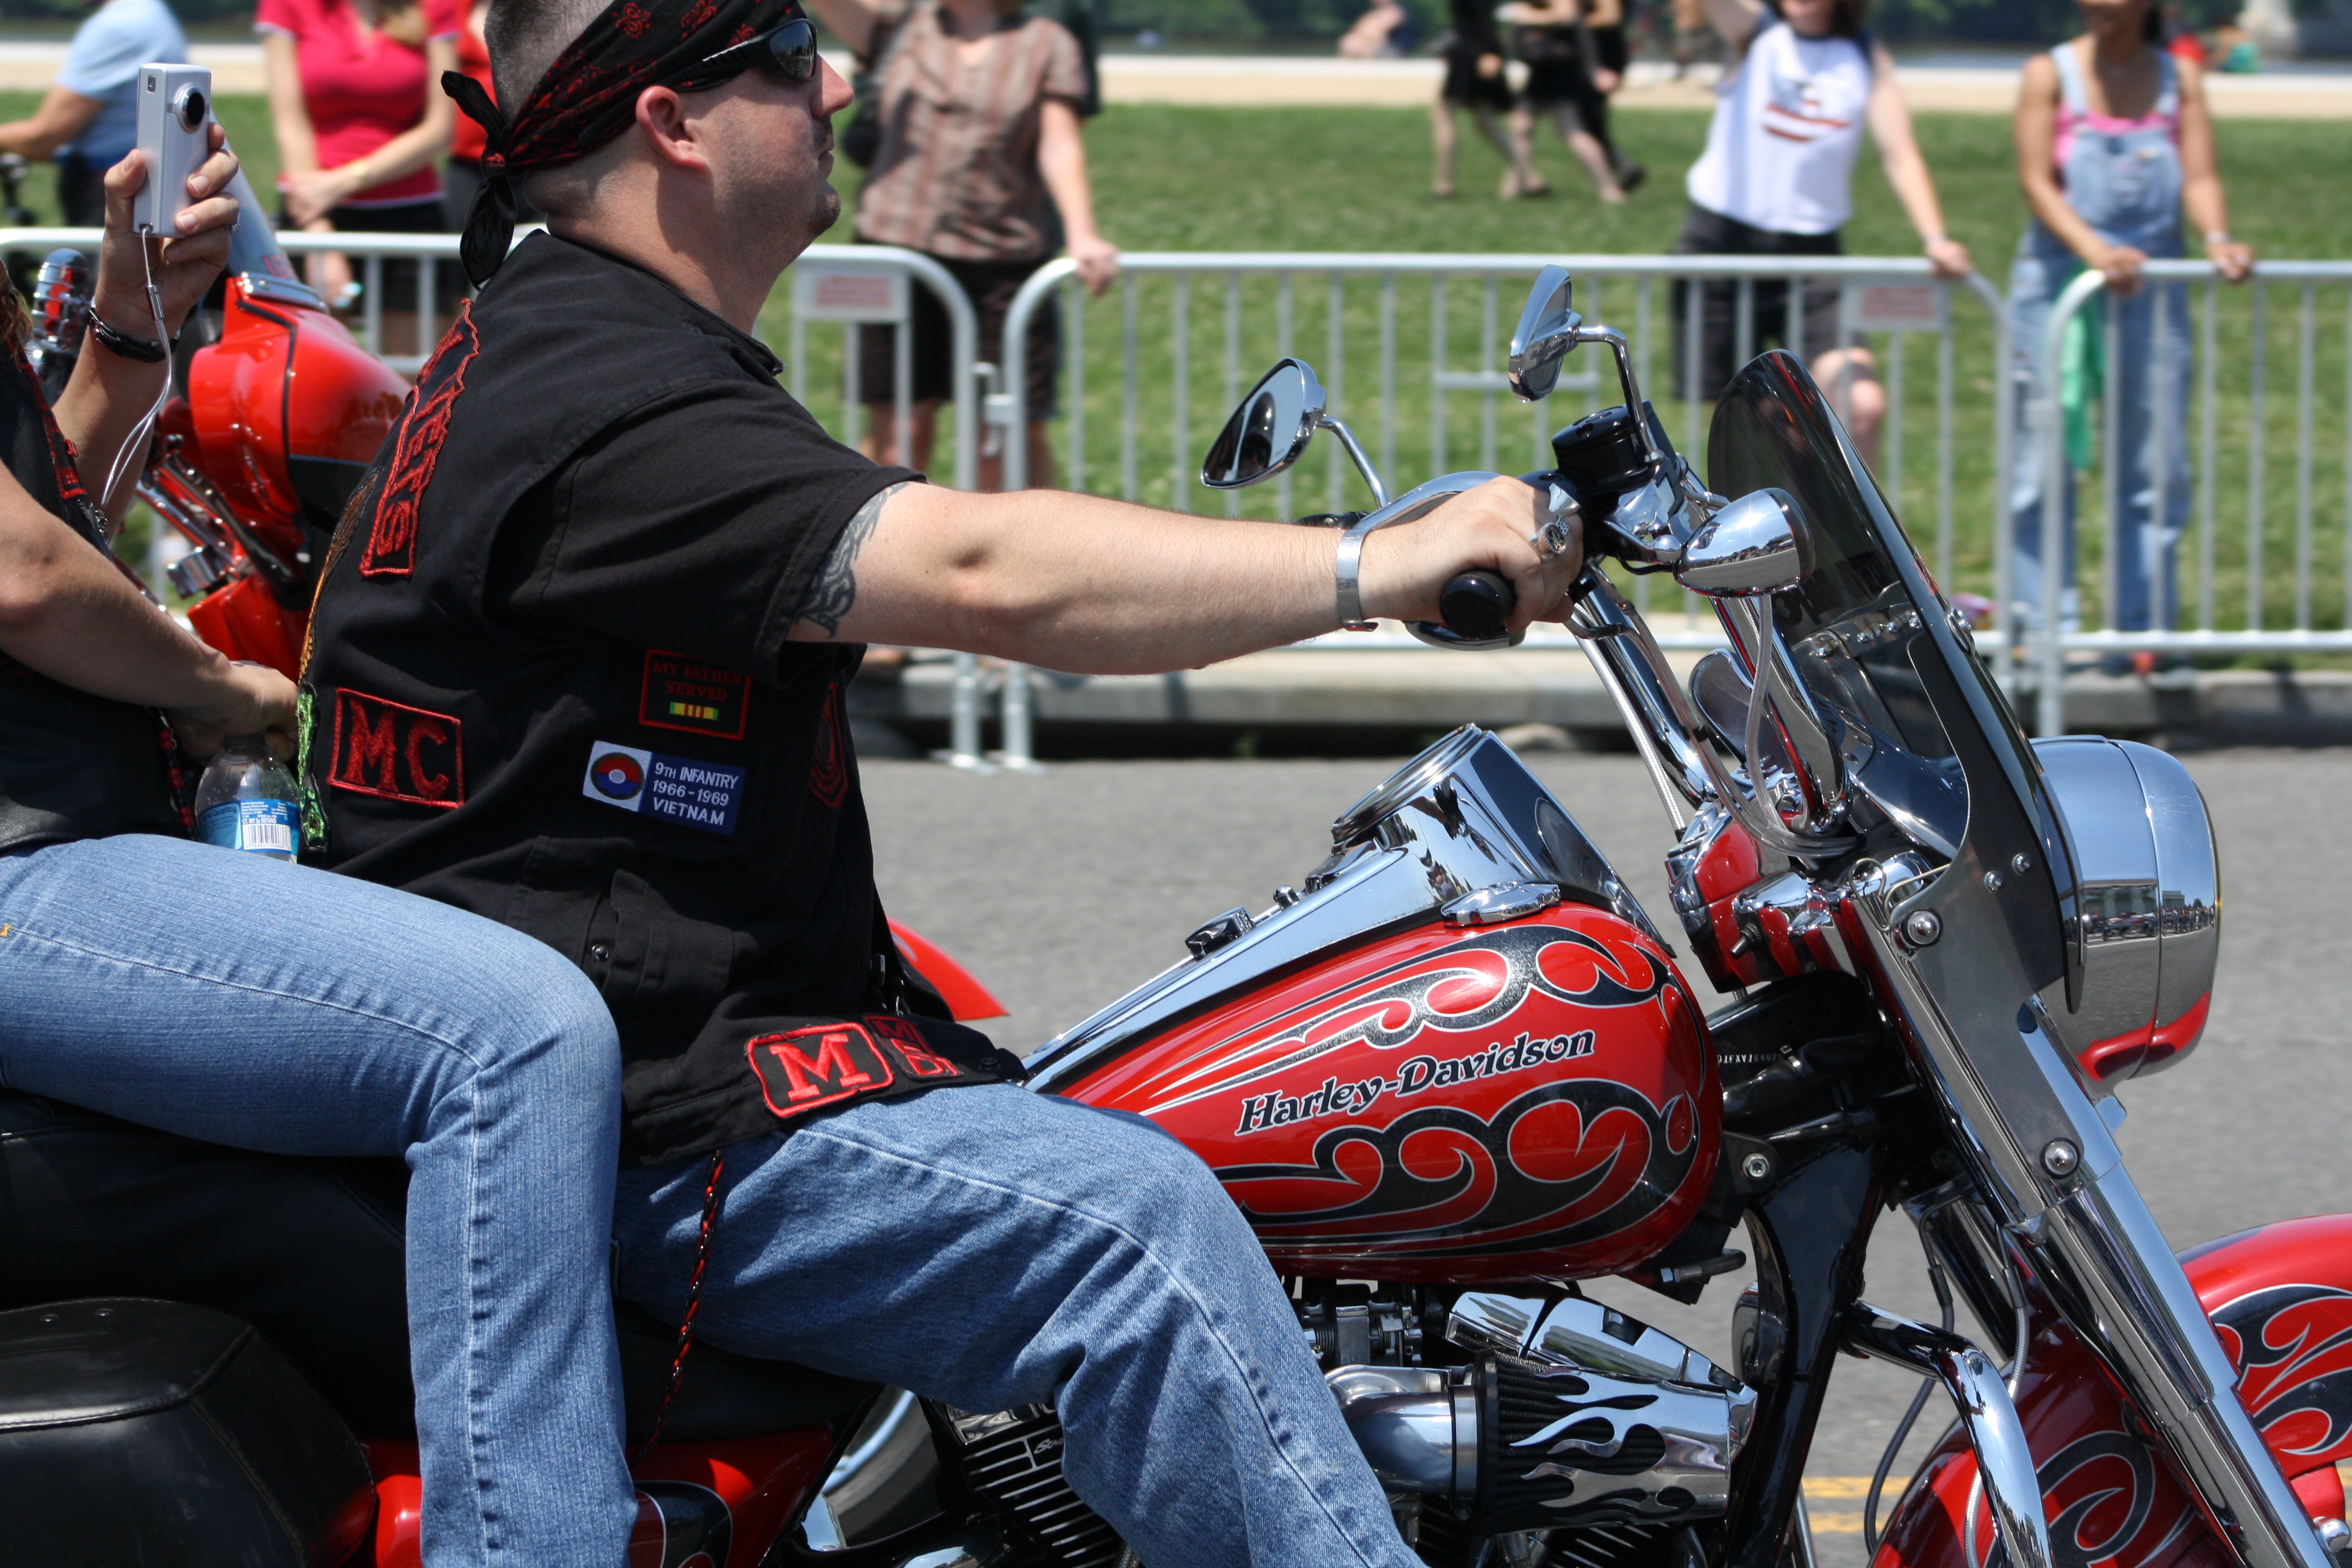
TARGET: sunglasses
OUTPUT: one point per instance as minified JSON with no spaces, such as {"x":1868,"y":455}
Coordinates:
{"x":788,"y":53}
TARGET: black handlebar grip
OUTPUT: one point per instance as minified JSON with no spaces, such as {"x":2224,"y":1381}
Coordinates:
{"x":1476,"y":604}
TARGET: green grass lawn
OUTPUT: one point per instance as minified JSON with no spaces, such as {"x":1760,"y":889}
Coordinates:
{"x":1173,"y":178}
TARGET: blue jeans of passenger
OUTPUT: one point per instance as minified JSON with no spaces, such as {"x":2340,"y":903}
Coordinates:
{"x":992,"y":1248}
{"x":2147,"y":378}
{"x":236,"y":999}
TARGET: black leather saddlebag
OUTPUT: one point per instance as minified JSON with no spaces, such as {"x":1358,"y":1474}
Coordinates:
{"x":138,"y":1432}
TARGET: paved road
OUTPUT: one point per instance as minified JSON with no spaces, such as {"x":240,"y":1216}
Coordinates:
{"x":1062,"y":891}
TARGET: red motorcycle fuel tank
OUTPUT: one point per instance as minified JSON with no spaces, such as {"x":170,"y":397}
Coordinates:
{"x":288,"y":409}
{"x":1461,"y":1055}
{"x":282,"y":417}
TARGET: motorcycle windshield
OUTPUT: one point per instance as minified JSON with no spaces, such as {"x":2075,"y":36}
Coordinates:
{"x":1933,"y":753}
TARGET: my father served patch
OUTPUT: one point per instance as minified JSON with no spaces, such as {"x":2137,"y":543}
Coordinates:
{"x":700,"y":698}
{"x":692,"y":794}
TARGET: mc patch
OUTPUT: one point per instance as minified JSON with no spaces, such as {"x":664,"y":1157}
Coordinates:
{"x":700,"y":698}
{"x":822,"y":1065}
{"x":690,"y":792}
{"x":389,"y":749}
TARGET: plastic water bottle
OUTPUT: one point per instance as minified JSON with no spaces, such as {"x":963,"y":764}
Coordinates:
{"x":246,"y":800}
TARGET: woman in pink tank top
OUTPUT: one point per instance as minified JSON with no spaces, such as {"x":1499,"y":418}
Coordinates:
{"x":2113,"y":142}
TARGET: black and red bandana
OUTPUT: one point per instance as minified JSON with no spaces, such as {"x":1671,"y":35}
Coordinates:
{"x":589,"y":96}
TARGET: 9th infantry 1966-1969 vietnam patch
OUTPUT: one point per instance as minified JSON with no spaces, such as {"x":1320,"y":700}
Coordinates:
{"x":690,"y":792}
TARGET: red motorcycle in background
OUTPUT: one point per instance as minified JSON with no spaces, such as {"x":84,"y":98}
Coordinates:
{"x":1452,"y":1071}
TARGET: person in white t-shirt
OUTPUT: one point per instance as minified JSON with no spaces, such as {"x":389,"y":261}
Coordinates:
{"x":90,"y":120}
{"x":1776,"y":179}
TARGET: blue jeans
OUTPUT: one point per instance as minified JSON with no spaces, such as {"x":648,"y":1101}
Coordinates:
{"x":991,"y":1247}
{"x":2149,"y":469}
{"x":239,"y":1000}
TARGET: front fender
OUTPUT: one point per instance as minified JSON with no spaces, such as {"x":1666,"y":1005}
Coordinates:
{"x":2280,"y":1299}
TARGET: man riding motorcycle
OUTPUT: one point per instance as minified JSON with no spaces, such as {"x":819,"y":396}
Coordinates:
{"x":223,"y":997}
{"x":577,"y":663}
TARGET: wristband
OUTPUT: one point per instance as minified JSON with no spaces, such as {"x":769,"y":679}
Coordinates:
{"x":1933,"y":240}
{"x":1350,"y":590}
{"x":117,"y":342}
{"x":2217,"y":237}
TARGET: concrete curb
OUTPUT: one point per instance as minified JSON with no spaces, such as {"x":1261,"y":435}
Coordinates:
{"x":1330,"y":691}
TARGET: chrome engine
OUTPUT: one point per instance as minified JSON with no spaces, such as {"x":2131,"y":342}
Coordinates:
{"x":1570,"y":1416}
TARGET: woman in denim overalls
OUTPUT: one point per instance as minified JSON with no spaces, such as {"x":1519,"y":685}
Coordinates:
{"x":2106,"y":190}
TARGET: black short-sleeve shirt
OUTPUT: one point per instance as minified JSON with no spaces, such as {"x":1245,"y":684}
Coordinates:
{"x":699,"y":522}
{"x":550,"y":680}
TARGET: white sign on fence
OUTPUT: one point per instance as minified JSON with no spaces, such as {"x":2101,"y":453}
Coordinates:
{"x":840,"y":292}
{"x":1898,"y":307}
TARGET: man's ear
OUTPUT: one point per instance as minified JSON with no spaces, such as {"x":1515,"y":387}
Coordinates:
{"x":662,"y":116}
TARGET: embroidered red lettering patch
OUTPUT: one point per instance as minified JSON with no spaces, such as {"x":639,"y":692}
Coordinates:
{"x":391,"y":543}
{"x":829,"y":769}
{"x":700,"y":698}
{"x":400,"y":752}
{"x":807,"y":1069}
{"x":907,"y":1041}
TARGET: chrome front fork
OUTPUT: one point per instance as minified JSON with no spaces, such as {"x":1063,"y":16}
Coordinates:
{"x":2050,"y":1172}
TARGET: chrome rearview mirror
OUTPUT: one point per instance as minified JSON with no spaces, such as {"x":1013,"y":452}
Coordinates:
{"x":1270,"y":429}
{"x":1548,"y":329}
{"x":1755,"y":545}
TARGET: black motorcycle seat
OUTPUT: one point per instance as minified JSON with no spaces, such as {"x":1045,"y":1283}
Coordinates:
{"x":309,"y":1252}
{"x":136,"y":1431}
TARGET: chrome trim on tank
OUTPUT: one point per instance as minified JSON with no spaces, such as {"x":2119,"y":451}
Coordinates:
{"x":280,"y":290}
{"x":1463,"y":817}
{"x":1503,"y":903}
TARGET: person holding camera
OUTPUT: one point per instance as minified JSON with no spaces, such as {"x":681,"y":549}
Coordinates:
{"x":225,"y":996}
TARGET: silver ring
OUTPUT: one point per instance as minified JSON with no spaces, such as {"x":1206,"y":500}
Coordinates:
{"x":1555,"y":536}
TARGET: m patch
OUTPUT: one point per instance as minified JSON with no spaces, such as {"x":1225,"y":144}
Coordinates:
{"x":822,"y":1065}
{"x":806,"y":1069}
{"x":690,"y":792}
{"x":389,"y":749}
{"x":700,"y":698}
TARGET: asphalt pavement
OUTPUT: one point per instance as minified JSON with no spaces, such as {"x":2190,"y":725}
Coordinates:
{"x":1061,"y":892}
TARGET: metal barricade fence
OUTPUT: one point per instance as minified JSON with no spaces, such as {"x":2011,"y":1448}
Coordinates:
{"x":2212,"y":424}
{"x":1453,"y":387}
{"x":2185,"y":418}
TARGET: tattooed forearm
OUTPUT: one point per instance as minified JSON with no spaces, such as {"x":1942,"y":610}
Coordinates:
{"x":834,"y":593}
